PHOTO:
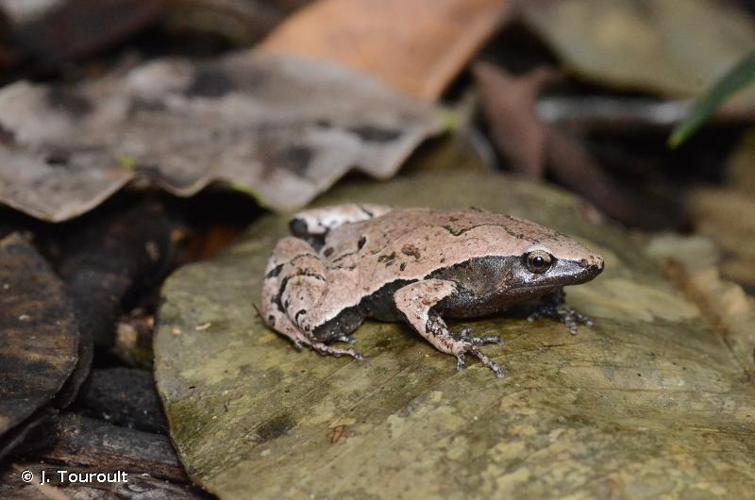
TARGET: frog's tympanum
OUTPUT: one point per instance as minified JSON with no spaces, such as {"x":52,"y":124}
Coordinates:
{"x":351,"y":262}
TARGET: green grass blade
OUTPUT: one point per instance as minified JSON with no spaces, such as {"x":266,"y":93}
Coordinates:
{"x":739,"y":77}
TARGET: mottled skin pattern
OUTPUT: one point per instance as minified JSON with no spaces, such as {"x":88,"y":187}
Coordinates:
{"x":350,"y":262}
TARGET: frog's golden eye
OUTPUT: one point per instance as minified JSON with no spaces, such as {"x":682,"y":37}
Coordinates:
{"x":538,"y":261}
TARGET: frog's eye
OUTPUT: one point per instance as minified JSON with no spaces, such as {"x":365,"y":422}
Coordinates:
{"x":538,"y":261}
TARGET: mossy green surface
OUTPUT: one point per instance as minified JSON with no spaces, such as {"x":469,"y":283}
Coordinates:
{"x":648,"y":402}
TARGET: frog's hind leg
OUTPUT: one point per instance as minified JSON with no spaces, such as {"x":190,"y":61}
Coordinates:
{"x":295,"y":280}
{"x":416,"y":302}
{"x":318,"y":221}
{"x":281,"y":323}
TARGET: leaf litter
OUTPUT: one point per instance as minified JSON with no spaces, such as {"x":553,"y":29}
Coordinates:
{"x":281,"y":129}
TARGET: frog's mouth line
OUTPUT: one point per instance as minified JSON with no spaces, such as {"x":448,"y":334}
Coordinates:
{"x":531,"y":288}
{"x":584,"y":275}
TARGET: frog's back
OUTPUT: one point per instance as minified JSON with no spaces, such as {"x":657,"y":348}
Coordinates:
{"x":409,"y":244}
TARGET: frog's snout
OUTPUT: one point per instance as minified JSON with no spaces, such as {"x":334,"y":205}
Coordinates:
{"x":593,"y":264}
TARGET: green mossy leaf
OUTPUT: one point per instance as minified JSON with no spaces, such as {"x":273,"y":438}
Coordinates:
{"x":648,"y":402}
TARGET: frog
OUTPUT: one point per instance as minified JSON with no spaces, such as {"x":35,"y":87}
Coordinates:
{"x":347,"y":263}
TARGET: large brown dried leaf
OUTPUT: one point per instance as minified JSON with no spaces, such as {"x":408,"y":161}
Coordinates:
{"x":652,"y":379}
{"x":281,"y":129}
{"x":670,"y":47}
{"x":38,"y":333}
{"x":417,"y":46}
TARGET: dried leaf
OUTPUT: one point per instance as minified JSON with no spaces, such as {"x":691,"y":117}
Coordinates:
{"x":651,"y":379}
{"x":670,"y":47}
{"x":103,"y":447}
{"x":125,"y":397}
{"x":51,"y":187}
{"x":417,"y":46}
{"x":281,"y":129}
{"x":38,"y":334}
{"x":139,"y":486}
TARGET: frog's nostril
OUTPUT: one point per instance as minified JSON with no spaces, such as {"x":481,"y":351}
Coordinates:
{"x":593,"y":263}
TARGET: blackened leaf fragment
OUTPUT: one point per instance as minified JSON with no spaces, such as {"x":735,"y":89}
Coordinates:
{"x":38,"y":333}
{"x":111,"y":257}
{"x":78,"y":28}
{"x":100,"y":446}
{"x":125,"y":397}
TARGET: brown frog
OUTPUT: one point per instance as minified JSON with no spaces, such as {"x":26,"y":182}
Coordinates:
{"x":355,"y":261}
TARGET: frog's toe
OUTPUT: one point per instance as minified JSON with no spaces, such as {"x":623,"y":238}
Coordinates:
{"x":346,"y":339}
{"x":327,"y":350}
{"x":572,"y":319}
{"x":460,"y":364}
{"x":465,"y":347}
{"x":487,"y":362}
{"x":560,"y":312}
{"x":477,"y":341}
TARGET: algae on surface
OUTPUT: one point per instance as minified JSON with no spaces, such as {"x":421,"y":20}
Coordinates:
{"x":649,"y":401}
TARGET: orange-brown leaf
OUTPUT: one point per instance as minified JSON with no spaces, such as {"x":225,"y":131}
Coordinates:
{"x":416,"y":46}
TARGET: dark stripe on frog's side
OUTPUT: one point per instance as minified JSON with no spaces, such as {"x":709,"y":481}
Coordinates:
{"x":274,"y":272}
{"x":476,"y":279}
{"x":470,"y":275}
{"x":379,"y":305}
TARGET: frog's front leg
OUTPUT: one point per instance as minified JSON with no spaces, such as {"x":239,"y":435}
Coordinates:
{"x":417,"y":301}
{"x":295,"y":281}
{"x":554,"y":306}
{"x":318,"y":221}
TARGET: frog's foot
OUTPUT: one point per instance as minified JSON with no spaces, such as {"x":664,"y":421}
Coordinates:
{"x":327,"y":350}
{"x":463,"y":348}
{"x":416,"y":302}
{"x":300,"y":340}
{"x":563,"y":313}
{"x":553,"y":306}
{"x":464,"y":335}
